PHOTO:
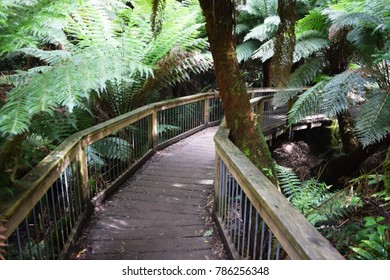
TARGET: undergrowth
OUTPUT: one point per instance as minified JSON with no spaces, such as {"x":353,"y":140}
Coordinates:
{"x":345,"y":217}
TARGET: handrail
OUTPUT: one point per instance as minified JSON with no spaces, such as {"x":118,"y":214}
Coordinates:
{"x":75,"y":170}
{"x":260,"y":211}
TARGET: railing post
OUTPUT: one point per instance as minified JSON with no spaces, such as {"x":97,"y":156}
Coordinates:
{"x":260,"y":112}
{"x":82,"y":165}
{"x":206,"y":109}
{"x":153,"y":133}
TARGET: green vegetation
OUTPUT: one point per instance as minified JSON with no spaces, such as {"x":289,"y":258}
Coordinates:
{"x":71,"y":64}
{"x":67,"y":65}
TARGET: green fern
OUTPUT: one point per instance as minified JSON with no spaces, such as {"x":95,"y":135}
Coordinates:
{"x":344,"y":90}
{"x":373,"y":121}
{"x":289,"y":182}
{"x":313,"y":198}
{"x":308,"y":46}
{"x":307,"y":103}
{"x":264,"y":31}
{"x":246,"y":49}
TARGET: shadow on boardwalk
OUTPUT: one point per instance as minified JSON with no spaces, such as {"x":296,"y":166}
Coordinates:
{"x":162,"y":212}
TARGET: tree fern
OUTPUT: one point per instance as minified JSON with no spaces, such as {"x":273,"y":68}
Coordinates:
{"x":266,"y":51}
{"x":373,"y":121}
{"x":246,"y":49}
{"x":307,"y":103}
{"x":303,"y":76}
{"x":93,"y":52}
{"x":343,"y":91}
{"x":264,"y":31}
{"x":308,"y":46}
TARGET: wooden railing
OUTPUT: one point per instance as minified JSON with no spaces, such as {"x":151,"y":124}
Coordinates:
{"x":43,"y":220}
{"x":256,"y":219}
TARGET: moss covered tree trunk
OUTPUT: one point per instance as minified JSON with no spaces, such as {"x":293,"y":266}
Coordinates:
{"x":238,"y":112}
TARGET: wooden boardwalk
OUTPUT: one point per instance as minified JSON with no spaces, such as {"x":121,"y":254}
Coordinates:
{"x":163,"y":211}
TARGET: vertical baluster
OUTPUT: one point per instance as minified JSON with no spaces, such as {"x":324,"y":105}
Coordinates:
{"x":249,"y":230}
{"x":236,"y":216}
{"x":54,"y":205}
{"x":28,"y":238}
{"x":20,"y":249}
{"x":240,"y":222}
{"x":262,"y":239}
{"x":269,"y":244}
{"x":221,"y":176}
{"x":43,"y":227}
{"x":51,"y":242}
{"x":66,"y":202}
{"x":60,"y":215}
{"x":227,"y":178}
{"x":277,"y":251}
{"x":244,"y":228}
{"x":37,"y":242}
{"x":256,"y":234}
{"x":228,"y":209}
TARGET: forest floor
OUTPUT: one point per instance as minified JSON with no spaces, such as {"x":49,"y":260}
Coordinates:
{"x":305,"y":155}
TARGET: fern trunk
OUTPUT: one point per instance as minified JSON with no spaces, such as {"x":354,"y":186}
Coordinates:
{"x":238,"y":112}
{"x":267,"y":73}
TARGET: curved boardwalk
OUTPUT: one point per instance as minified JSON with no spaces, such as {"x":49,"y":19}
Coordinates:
{"x":162,"y":212}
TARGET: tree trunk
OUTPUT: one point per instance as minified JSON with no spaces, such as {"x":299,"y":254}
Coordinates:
{"x":238,"y":112}
{"x":267,"y":73}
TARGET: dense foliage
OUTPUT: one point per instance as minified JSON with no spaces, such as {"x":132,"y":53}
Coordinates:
{"x":75,"y":63}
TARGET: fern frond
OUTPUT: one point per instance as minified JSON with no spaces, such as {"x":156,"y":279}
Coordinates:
{"x":307,"y":47}
{"x":315,"y":21}
{"x":307,"y":103}
{"x":373,"y":121}
{"x":342,"y":91}
{"x":14,"y":116}
{"x":246,"y":49}
{"x":334,"y":206}
{"x":289,"y":182}
{"x":265,"y":51}
{"x":262,"y":32}
{"x":242,"y":27}
{"x":50,"y":57}
{"x":305,"y":74}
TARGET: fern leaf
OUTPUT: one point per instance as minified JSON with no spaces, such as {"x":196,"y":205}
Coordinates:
{"x":265,"y":51}
{"x":262,"y":32}
{"x":246,"y":50}
{"x":289,"y":182}
{"x":14,"y":117}
{"x":305,"y":74}
{"x":315,"y":20}
{"x":373,"y":121}
{"x":342,"y":91}
{"x":307,"y":47}
{"x":307,"y":104}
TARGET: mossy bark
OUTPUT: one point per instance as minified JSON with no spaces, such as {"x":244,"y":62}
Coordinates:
{"x":238,"y":112}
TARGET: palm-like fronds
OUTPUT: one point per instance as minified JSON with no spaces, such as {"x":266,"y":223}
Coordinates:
{"x":307,"y":103}
{"x":264,"y":31}
{"x":343,"y":91}
{"x":305,"y":48}
{"x":373,"y":120}
{"x":245,"y":50}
